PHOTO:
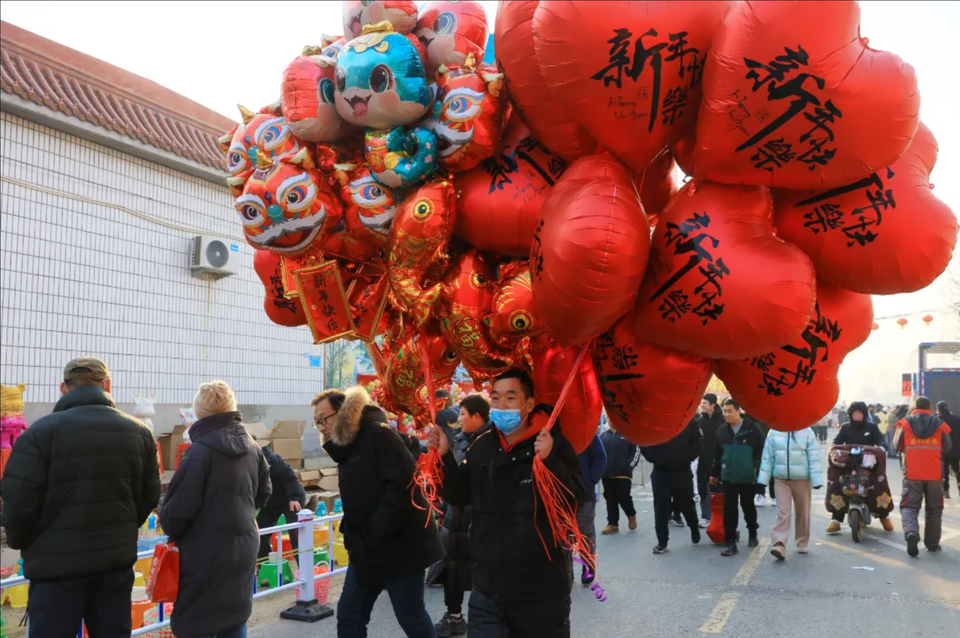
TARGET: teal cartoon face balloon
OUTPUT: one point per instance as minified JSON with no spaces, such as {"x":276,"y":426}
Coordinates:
{"x":380,"y":81}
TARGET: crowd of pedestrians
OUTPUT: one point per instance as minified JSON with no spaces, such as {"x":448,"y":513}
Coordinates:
{"x":82,"y":481}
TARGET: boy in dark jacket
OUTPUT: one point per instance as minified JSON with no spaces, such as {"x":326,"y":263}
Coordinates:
{"x":736,"y":463}
{"x":673,"y":482}
{"x":622,"y":457}
{"x":951,"y":461}
{"x":383,"y":531}
{"x":593,"y":461}
{"x":520,"y":588}
{"x":77,"y":487}
{"x":288,"y":498}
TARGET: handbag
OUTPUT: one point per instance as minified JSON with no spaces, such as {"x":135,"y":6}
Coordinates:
{"x":163,"y":582}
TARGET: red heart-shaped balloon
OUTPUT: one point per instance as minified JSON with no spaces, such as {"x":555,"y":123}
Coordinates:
{"x":795,"y":385}
{"x":629,"y":72}
{"x":650,"y":393}
{"x":793,"y":97}
{"x":859,"y":236}
{"x":500,"y":200}
{"x":657,"y":184}
{"x":517,"y":58}
{"x":280,"y":310}
{"x":590,"y":250}
{"x":720,"y":284}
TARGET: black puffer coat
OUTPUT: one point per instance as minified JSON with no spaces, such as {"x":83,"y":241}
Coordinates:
{"x":382,"y":530}
{"x":678,"y":453}
{"x":209,"y":512}
{"x":78,"y":486}
{"x":286,"y":484}
{"x":863,"y":432}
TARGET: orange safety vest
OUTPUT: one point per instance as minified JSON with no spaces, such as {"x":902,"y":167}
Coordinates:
{"x":923,"y":457}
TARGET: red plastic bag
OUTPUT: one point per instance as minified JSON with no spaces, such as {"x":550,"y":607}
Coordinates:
{"x":163,"y":583}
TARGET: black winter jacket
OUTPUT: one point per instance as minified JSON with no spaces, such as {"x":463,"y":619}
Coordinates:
{"x":286,"y":484}
{"x":953,"y":422}
{"x":209,"y":512}
{"x":508,"y":519}
{"x":860,"y":433}
{"x":708,"y":427}
{"x":622,"y":455}
{"x":78,"y":485}
{"x":736,"y":458}
{"x":382,"y":530}
{"x":678,"y":453}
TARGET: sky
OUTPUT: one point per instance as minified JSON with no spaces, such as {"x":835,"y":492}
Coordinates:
{"x":211,"y":53}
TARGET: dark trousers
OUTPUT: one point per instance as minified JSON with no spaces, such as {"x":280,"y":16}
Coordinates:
{"x":101,"y":602}
{"x":744,"y":493}
{"x":452,"y":593}
{"x":239,"y":632}
{"x":491,"y":618}
{"x":948,"y":466}
{"x":406,"y":596}
{"x":268,"y":518}
{"x":616,"y":493}
{"x":672,"y":490}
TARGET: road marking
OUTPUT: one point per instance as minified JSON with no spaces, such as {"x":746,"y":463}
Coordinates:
{"x":724,"y":608}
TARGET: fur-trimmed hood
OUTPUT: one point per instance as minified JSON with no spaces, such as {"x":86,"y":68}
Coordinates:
{"x":356,"y":409}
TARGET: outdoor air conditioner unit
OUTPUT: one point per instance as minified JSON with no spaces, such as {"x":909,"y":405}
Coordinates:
{"x":213,"y":258}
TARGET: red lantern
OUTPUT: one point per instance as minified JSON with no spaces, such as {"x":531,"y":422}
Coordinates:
{"x":927,"y":319}
{"x":855,"y":234}
{"x":902,"y":323}
{"x":590,"y":250}
{"x":793,"y":386}
{"x":720,"y":284}
{"x":795,"y":98}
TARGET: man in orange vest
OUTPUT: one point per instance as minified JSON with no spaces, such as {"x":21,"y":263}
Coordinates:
{"x":924,"y":441}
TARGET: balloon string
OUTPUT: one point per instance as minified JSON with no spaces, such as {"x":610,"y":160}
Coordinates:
{"x":428,"y":473}
{"x":598,"y":591}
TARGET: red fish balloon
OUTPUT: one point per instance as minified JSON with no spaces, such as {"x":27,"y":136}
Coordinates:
{"x":280,"y":310}
{"x":857,"y":235}
{"x":513,"y":318}
{"x":589,"y":251}
{"x":307,"y":98}
{"x":793,"y":386}
{"x":287,"y":205}
{"x":401,"y":14}
{"x":451,"y":31}
{"x":542,"y":111}
{"x":795,"y":98}
{"x":720,"y":284}
{"x":650,"y":393}
{"x":500,"y":200}
{"x":404,"y":378}
{"x":631,"y":73}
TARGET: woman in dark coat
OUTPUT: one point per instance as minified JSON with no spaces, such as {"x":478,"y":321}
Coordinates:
{"x":209,"y":512}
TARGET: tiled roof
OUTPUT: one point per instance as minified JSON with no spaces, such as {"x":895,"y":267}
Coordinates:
{"x":65,"y":80}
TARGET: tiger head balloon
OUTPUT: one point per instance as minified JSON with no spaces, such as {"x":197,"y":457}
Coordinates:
{"x":402,"y":16}
{"x":513,"y":317}
{"x":467,"y":115}
{"x":451,"y":31}
{"x":380,"y":82}
{"x":306,"y":95}
{"x":287,"y":205}
{"x":377,"y":203}
{"x":264,"y":132}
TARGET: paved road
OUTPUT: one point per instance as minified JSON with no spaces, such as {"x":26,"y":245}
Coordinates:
{"x":693,"y":591}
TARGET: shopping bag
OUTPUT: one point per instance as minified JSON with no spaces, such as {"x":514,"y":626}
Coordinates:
{"x":164,"y":579}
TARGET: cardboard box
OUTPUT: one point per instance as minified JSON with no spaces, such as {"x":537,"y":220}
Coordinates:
{"x":288,"y":429}
{"x":309,"y":478}
{"x":330,"y":483}
{"x":259,"y":431}
{"x":285,"y":441}
{"x":169,"y":444}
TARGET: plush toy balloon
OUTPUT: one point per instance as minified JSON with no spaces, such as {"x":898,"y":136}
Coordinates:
{"x":402,"y":16}
{"x":650,"y":393}
{"x":795,"y":98}
{"x":465,"y":299}
{"x":720,"y":284}
{"x":580,"y":413}
{"x":793,"y":386}
{"x":513,"y":318}
{"x":279,"y":309}
{"x":287,"y":205}
{"x":451,"y":31}
{"x":500,"y":200}
{"x":467,"y":115}
{"x":261,"y":133}
{"x":629,"y":72}
{"x":542,"y":111}
{"x":418,"y":239}
{"x":859,"y":236}
{"x":589,"y":251}
{"x":380,"y":81}
{"x":307,"y":98}
{"x":657,"y":185}
{"x":399,"y":158}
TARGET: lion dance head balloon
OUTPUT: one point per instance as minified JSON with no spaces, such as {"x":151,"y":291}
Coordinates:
{"x":450,"y":32}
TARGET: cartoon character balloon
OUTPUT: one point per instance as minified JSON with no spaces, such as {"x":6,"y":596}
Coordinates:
{"x":450,"y":32}
{"x":307,"y":98}
{"x":287,"y":205}
{"x":265,"y":132}
{"x":402,"y":16}
{"x":369,"y":205}
{"x":399,"y":158}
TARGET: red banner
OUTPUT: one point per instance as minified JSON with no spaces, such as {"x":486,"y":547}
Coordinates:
{"x":324,"y":302}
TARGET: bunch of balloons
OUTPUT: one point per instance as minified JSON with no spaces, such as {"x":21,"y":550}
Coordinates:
{"x":446,"y":212}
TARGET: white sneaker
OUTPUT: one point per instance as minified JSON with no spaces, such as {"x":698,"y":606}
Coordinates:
{"x":704,"y":523}
{"x":759,"y":500}
{"x":696,"y":498}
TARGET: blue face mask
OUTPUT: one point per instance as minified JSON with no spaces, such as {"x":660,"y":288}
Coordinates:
{"x":507,"y":421}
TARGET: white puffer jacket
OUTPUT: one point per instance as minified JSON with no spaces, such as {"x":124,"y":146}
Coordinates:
{"x":791,"y":456}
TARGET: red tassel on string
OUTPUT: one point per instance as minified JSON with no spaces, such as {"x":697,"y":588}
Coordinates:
{"x":428,"y":474}
{"x":557,"y":500}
